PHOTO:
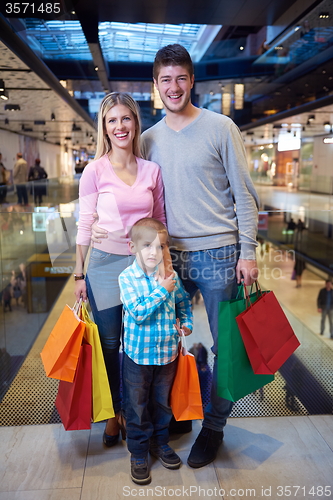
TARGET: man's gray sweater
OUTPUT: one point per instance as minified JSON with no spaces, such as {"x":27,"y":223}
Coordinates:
{"x":210,"y":199}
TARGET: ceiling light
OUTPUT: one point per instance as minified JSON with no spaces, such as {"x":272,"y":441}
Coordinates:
{"x":241,"y":47}
{"x":2,"y":85}
{"x":4,"y":96}
{"x":96,"y":68}
{"x":12,"y":107}
{"x":52,"y":117}
{"x":311,"y":118}
{"x":327,"y":127}
{"x":324,"y":15}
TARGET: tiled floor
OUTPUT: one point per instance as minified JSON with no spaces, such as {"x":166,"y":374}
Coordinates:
{"x":258,"y":455}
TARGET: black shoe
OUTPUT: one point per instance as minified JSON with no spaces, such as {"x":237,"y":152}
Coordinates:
{"x":139,"y":470}
{"x":166,"y":455}
{"x":180,"y":427}
{"x":205,"y":448}
{"x":110,"y":441}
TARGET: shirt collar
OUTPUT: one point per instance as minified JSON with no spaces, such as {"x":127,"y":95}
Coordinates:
{"x":139,"y":272}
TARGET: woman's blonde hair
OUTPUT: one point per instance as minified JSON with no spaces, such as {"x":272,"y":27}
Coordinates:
{"x":103,"y":142}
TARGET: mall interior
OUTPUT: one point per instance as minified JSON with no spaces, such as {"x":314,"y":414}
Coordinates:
{"x":268,"y":65}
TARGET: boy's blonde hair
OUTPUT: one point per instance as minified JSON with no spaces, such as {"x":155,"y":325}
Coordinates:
{"x":144,"y":223}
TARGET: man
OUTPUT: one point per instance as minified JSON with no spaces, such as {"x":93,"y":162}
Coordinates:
{"x":204,"y":169}
{"x":205,"y":173}
{"x":20,"y":174}
{"x":325,"y":306}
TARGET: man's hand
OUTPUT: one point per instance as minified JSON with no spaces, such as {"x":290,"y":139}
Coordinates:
{"x":97,"y":233}
{"x":247,"y":270}
{"x":169,"y":283}
{"x":320,"y":310}
{"x":182,"y":330}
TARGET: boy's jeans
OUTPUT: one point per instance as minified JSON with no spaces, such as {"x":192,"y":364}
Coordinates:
{"x":213,"y":273}
{"x":146,"y":398}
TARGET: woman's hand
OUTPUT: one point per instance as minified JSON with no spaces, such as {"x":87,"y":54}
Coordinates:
{"x":97,"y":233}
{"x":80,"y":290}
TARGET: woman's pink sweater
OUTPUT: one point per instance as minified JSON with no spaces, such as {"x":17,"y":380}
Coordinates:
{"x":117,"y":204}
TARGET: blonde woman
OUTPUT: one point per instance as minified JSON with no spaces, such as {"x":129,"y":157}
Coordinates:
{"x":121,"y":188}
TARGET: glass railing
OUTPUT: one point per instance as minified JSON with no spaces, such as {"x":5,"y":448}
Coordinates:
{"x":37,"y":256}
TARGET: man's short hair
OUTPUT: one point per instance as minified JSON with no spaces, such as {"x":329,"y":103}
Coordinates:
{"x":328,"y":281}
{"x":147,"y":222}
{"x":172,"y":55}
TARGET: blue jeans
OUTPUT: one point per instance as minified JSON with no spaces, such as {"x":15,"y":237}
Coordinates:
{"x":213,"y":273}
{"x":146,"y":402}
{"x":104,"y":298}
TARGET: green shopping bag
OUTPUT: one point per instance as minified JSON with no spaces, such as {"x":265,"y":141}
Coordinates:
{"x":235,"y":376}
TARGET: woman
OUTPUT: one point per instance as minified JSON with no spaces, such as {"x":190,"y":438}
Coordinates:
{"x":121,"y":188}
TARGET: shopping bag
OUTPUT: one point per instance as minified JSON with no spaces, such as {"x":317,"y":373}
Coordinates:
{"x":267,"y":335}
{"x":73,"y":400}
{"x":185,"y":397}
{"x":102,"y":407}
{"x":235,"y":377}
{"x":61,"y":351}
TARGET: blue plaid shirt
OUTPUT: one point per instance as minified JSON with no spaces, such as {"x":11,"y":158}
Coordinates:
{"x":150,"y":337}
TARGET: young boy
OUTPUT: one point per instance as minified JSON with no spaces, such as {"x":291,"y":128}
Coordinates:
{"x":152,"y":310}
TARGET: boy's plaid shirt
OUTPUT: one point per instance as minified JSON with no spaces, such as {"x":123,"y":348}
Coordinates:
{"x":150,"y":337}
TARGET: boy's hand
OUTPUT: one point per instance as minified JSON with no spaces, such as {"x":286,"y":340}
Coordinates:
{"x":168,"y":283}
{"x":182,"y":330}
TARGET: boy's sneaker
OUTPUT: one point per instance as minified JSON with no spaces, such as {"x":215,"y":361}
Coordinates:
{"x":139,"y":470}
{"x":166,"y":455}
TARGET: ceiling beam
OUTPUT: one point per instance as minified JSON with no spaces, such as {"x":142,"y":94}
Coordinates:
{"x":89,"y":23}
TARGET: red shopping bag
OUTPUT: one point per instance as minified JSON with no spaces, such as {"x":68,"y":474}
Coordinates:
{"x":74,"y":399}
{"x":185,"y":397}
{"x":268,"y":338}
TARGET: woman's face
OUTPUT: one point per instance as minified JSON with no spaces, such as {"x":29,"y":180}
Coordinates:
{"x":120,"y":127}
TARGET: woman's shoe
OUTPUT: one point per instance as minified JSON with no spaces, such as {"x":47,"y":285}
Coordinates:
{"x":122,"y":425}
{"x":110,"y":441}
{"x":118,"y":423}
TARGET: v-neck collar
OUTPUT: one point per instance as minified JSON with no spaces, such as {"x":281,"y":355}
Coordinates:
{"x":138,"y":164}
{"x":187,"y":126}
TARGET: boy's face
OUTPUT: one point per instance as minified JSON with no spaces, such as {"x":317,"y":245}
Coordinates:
{"x":149,"y":249}
{"x":174,"y":84}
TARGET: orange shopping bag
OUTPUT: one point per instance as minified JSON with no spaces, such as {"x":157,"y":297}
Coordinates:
{"x":61,"y":351}
{"x":185,"y":397}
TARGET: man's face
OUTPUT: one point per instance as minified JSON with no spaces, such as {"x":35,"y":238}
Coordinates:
{"x":174,"y":84}
{"x":149,"y":249}
{"x":328,"y":285}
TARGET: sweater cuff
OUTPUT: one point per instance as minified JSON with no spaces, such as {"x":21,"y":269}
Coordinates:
{"x":248,"y":251}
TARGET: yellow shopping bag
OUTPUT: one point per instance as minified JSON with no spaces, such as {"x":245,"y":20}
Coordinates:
{"x":102,"y":407}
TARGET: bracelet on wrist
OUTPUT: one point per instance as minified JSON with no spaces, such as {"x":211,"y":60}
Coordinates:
{"x":78,"y":277}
